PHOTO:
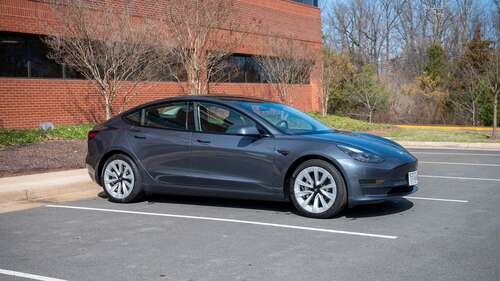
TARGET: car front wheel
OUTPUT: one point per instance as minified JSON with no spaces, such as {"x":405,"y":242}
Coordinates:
{"x":121,"y":180}
{"x":318,"y":190}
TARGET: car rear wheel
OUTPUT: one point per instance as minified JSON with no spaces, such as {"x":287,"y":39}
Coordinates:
{"x":121,"y":179}
{"x":318,"y":190}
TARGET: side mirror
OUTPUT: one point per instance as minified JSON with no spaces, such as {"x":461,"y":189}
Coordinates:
{"x":250,"y":131}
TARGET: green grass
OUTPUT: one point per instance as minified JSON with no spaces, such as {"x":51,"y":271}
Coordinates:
{"x":404,"y":134}
{"x":26,"y":136}
{"x":346,"y":123}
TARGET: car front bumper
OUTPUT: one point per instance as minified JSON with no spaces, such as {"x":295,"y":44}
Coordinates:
{"x":372,"y":183}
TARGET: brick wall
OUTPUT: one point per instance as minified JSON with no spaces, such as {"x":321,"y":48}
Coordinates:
{"x":26,"y":103}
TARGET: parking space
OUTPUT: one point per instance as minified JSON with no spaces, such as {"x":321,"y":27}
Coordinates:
{"x":448,"y":230}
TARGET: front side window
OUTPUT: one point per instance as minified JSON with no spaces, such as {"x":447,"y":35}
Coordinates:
{"x":168,"y":116}
{"x":286,"y":119}
{"x":219,"y":119}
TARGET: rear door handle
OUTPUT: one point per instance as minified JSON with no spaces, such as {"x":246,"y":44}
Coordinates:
{"x":203,"y":141}
{"x":139,"y":137}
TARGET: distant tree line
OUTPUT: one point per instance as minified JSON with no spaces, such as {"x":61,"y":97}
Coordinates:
{"x":414,"y":61}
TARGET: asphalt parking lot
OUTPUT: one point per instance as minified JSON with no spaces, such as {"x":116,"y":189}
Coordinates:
{"x":448,"y":230}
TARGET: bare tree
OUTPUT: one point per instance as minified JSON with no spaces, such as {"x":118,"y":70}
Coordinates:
{"x":335,"y":72}
{"x":468,"y":98}
{"x":367,"y":91}
{"x":289,"y":63}
{"x":492,"y":80}
{"x":105,"y":44}
{"x":493,"y":68}
{"x":203,"y":35}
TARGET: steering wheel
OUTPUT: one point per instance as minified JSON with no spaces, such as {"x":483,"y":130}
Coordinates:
{"x":282,"y":124}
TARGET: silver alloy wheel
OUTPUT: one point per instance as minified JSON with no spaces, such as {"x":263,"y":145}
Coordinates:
{"x":119,"y":179}
{"x":315,"y":189}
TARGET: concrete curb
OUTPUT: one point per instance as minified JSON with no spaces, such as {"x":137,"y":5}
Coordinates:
{"x":27,"y":191}
{"x":450,"y":145}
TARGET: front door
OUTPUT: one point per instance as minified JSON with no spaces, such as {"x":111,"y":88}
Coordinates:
{"x":227,"y":162}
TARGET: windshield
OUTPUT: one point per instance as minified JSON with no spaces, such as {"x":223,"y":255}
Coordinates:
{"x":286,"y":119}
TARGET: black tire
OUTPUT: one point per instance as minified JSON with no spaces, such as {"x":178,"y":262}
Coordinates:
{"x":340,"y":200}
{"x":137,"y":190}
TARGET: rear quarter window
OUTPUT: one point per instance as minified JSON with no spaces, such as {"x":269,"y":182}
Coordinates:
{"x":134,"y":118}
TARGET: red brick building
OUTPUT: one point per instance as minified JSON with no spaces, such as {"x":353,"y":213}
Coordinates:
{"x":34,"y":89}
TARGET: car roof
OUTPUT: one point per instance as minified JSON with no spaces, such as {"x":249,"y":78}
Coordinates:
{"x":216,"y":98}
{"x":219,"y":98}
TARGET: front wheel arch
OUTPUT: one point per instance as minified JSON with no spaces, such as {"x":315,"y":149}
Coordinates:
{"x":302,"y":159}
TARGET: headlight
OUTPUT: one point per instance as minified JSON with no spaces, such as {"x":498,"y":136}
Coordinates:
{"x":360,"y":155}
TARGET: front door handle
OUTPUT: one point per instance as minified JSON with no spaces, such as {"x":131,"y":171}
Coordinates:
{"x":203,"y":141}
{"x":139,"y":137}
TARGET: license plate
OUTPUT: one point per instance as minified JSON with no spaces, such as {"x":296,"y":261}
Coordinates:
{"x":412,"y":178}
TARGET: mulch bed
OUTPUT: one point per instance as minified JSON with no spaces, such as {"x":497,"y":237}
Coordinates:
{"x":53,"y":155}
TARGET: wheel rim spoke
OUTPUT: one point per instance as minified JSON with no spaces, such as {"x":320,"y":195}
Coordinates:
{"x":119,"y":179}
{"x":327,"y":194}
{"x":315,"y":189}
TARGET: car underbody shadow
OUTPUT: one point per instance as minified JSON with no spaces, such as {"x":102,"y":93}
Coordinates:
{"x":281,"y":207}
{"x":389,"y":207}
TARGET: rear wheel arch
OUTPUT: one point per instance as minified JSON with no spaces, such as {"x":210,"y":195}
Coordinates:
{"x":302,"y":159}
{"x":105,"y":158}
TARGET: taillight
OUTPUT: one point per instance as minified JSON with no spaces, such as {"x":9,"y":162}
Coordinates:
{"x":91,"y":135}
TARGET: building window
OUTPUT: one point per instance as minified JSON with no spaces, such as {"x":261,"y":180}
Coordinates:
{"x":239,"y":68}
{"x":308,"y":2}
{"x":25,"y":55}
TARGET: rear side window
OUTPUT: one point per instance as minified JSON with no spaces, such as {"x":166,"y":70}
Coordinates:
{"x":134,"y":118}
{"x":168,"y":116}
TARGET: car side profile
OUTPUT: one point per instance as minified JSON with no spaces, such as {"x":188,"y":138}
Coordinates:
{"x":244,"y":148}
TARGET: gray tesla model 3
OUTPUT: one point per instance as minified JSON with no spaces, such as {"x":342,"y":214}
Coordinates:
{"x":244,"y":148}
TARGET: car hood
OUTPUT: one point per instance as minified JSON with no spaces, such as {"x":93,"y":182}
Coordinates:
{"x":375,"y":144}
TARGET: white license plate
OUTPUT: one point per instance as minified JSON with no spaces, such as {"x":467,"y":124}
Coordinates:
{"x":413,"y":178}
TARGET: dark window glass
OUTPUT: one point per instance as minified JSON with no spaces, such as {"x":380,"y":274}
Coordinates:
{"x":308,"y":2}
{"x":13,"y":56}
{"x":41,"y":65}
{"x":168,"y":116}
{"x":240,"y":69}
{"x":215,"y":118}
{"x":25,"y":55}
{"x":134,"y":118}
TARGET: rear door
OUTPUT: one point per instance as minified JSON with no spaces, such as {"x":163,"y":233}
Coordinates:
{"x":162,"y":141}
{"x":225,"y":161}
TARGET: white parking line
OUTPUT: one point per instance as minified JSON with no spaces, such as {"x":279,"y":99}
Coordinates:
{"x":461,"y":154}
{"x":28,"y":276}
{"x":229,"y":220}
{"x":457,"y":178}
{"x":457,"y":163}
{"x":436,"y":199}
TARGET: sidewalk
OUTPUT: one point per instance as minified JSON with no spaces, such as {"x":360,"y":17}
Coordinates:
{"x":30,"y":191}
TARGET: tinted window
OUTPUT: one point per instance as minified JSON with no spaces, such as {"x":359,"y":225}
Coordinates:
{"x":168,"y":116}
{"x":220,"y":119}
{"x":134,"y":118}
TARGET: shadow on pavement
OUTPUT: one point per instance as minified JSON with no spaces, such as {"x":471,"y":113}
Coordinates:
{"x":388,"y":207}
{"x":373,"y":210}
{"x":284,"y":207}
